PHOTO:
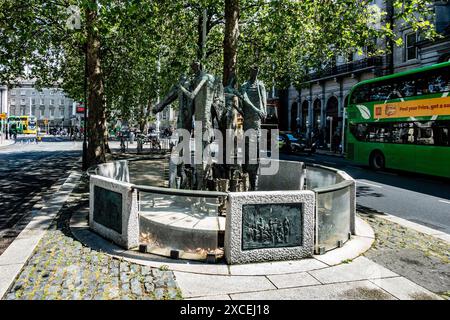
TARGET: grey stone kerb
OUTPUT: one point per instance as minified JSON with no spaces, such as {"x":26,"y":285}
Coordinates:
{"x":233,"y":230}
{"x":129,"y":235}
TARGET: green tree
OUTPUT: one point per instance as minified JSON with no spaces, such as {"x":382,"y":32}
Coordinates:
{"x":133,"y":50}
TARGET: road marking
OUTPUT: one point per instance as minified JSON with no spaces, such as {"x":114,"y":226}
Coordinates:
{"x":329,"y":162}
{"x":369,"y":184}
{"x":444,"y":201}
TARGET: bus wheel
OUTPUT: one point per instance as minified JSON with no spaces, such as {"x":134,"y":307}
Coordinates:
{"x":377,"y":161}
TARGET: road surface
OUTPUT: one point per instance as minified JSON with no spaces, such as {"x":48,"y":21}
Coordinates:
{"x":417,"y":198}
{"x":27,"y":171}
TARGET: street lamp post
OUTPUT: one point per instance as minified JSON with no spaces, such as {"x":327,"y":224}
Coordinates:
{"x":344,"y":114}
{"x":331,"y":132}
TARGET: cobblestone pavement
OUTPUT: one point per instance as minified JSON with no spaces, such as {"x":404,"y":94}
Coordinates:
{"x":421,"y":258}
{"x":62,"y":268}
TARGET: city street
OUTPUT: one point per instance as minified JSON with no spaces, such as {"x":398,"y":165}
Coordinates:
{"x":27,"y":171}
{"x":421,"y":199}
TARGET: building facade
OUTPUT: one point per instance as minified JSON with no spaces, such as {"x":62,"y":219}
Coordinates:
{"x":317,"y":107}
{"x":48,"y":105}
{"x":3,"y":99}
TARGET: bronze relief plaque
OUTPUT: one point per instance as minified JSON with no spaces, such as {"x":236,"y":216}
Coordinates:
{"x":271,"y":225}
{"x":108,"y":208}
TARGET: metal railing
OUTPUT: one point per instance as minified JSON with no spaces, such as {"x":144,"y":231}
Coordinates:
{"x":354,"y":66}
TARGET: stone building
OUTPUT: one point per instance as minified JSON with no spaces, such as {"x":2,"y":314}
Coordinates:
{"x":47,"y":104}
{"x":3,"y":99}
{"x":317,"y":107}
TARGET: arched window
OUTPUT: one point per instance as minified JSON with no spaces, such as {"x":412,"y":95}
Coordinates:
{"x":316,"y":114}
{"x":305,"y":115}
{"x":332,"y":112}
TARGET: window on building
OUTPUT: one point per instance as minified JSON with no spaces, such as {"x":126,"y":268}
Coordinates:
{"x":41,"y":112}
{"x":61,"y":112}
{"x":41,"y":102}
{"x":52,"y":102}
{"x":13,"y":101}
{"x":22,"y":111}
{"x":52,"y":112}
{"x":442,"y":11}
{"x":34,"y":111}
{"x":22,"y":101}
{"x":22,"y":92}
{"x":13,"y":92}
{"x":61,"y":102}
{"x":410,"y":46}
{"x":33,"y":101}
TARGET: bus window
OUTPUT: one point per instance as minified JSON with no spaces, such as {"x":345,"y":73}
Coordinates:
{"x":441,"y":133}
{"x":361,"y":94}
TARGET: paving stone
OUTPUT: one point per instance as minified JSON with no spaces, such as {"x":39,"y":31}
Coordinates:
{"x":359,"y":269}
{"x":193,"y":285}
{"x":136,"y":287}
{"x":293,"y":280}
{"x":358,"y":290}
{"x":172,"y":293}
{"x":113,"y":292}
{"x":159,"y":283}
{"x":149,"y":287}
{"x":159,"y":294}
{"x":280,"y":267}
{"x":405,"y":289}
{"x":145,"y":270}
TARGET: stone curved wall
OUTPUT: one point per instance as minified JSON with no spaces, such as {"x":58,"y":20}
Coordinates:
{"x":330,"y":221}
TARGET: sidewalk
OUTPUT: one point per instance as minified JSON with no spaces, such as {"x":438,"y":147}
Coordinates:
{"x":329,"y":153}
{"x":401,"y":264}
{"x":5,"y":143}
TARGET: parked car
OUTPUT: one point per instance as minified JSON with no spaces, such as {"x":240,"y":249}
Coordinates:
{"x":292,"y":143}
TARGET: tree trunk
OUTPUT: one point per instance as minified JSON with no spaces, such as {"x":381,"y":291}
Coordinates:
{"x":230,"y":40}
{"x":96,"y":101}
{"x":142,"y":118}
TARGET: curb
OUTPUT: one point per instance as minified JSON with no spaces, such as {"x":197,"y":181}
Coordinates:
{"x":10,"y":143}
{"x":21,"y":249}
{"x":417,"y":227}
{"x":439,"y":235}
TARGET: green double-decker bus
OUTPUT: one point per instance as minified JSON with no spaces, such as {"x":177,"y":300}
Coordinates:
{"x":402,"y":121}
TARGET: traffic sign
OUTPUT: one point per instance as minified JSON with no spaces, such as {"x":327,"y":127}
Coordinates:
{"x":80,"y":108}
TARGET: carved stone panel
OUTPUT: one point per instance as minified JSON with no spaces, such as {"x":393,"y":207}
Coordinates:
{"x":108,"y":208}
{"x":271,"y":225}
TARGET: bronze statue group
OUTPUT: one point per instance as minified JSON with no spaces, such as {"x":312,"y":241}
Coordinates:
{"x":204,"y":100}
